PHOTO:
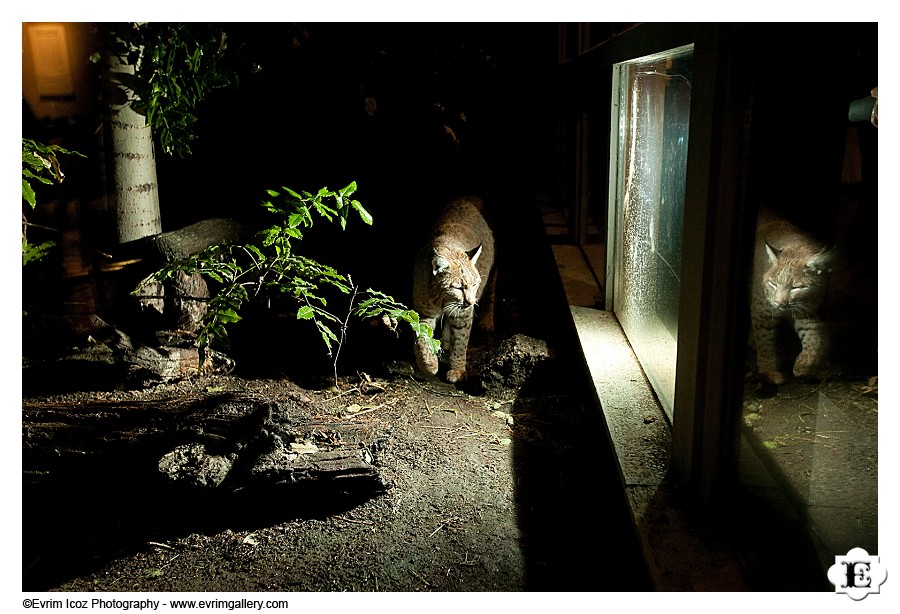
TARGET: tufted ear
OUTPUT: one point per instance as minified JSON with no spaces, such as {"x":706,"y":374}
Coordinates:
{"x":473,"y":254}
{"x":821,"y":262}
{"x":773,"y":253}
{"x":439,"y":264}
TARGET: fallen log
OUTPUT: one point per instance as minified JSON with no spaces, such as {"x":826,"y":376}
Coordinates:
{"x":166,"y":247}
{"x":102,"y":478}
{"x":225,"y":443}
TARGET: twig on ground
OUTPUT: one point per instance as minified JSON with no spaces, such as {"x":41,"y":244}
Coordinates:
{"x":479,"y":433}
{"x":440,"y":526}
{"x":420,"y":578}
{"x":345,"y":519}
{"x":446,"y":523}
{"x":371,"y":409}
{"x":343,"y":392}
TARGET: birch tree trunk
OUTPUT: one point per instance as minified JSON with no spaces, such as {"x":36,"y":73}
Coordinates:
{"x":135,"y":188}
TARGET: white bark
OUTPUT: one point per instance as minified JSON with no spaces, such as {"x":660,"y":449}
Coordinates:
{"x":133,"y":160}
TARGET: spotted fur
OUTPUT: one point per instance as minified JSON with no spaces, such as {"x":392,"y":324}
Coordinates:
{"x":451,"y":273}
{"x":791,"y":273}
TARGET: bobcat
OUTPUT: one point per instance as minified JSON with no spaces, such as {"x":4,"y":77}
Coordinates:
{"x":790,"y":280}
{"x":450,"y":275}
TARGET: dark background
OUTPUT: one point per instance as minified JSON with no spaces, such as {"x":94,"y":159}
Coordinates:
{"x":301,"y":122}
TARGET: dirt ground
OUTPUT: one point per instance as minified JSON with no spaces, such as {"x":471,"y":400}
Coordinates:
{"x":504,"y":484}
{"x":505,"y":491}
{"x":806,"y":437}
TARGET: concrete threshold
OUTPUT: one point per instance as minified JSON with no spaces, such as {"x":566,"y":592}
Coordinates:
{"x":679,"y":556}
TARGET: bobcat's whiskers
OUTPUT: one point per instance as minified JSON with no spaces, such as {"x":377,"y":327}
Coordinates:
{"x":454,"y":309}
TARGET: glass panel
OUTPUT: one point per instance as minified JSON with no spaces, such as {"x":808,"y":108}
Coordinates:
{"x":651,"y":108}
{"x":810,"y":433}
{"x":810,"y":412}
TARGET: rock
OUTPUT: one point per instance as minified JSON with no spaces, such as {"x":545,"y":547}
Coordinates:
{"x":514,"y":362}
{"x":191,"y":464}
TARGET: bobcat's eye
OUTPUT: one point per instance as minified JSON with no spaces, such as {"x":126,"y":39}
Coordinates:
{"x":798,"y":288}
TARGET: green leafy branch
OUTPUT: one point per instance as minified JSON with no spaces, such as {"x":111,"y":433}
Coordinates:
{"x":40,"y":163}
{"x":377,"y":304}
{"x":273,"y":266}
{"x":177,"y":65}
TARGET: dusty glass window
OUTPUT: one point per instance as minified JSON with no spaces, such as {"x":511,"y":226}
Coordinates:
{"x":651,"y":117}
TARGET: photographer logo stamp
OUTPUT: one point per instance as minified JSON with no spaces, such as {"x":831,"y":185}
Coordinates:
{"x":857,"y":574}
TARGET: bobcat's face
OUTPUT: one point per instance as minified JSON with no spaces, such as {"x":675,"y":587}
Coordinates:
{"x":796,"y":282}
{"x":458,"y":279}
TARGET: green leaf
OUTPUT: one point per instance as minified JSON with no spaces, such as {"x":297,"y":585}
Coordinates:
{"x":327,"y":333}
{"x":295,"y":219}
{"x":255,"y":252}
{"x":365,"y":215}
{"x":28,"y":194}
{"x":293,"y":193}
{"x":305,"y":313}
{"x":228,"y":316}
{"x":32,"y":252}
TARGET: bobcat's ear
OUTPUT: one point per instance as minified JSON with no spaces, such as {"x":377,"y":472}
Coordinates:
{"x":821,"y":262}
{"x":439,"y":264}
{"x":773,"y":253}
{"x":473,"y":254}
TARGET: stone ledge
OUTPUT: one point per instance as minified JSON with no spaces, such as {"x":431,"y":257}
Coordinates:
{"x":679,"y":556}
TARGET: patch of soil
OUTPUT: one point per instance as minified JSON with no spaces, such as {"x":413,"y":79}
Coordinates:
{"x":505,"y":483}
{"x":805,"y":437}
{"x":499,"y":492}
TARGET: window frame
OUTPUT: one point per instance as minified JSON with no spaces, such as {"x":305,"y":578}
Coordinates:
{"x":717,"y":233}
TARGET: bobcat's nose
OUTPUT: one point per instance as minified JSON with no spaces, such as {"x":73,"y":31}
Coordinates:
{"x":781,"y":300}
{"x":780,"y":304}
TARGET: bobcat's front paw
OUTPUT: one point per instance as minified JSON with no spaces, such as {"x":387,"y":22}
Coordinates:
{"x":456,"y":375}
